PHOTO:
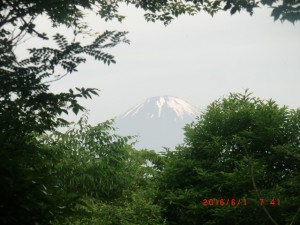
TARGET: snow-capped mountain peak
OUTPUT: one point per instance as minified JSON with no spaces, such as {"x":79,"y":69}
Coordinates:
{"x":158,"y":121}
{"x":156,"y":107}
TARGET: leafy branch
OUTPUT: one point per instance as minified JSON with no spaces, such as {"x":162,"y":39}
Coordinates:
{"x":25,"y":103}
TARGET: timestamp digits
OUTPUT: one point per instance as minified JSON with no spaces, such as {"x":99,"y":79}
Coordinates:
{"x":224,"y":202}
{"x":238,"y":201}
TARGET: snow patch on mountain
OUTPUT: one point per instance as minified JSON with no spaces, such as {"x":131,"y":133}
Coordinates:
{"x":133,"y":110}
{"x":160,"y":104}
{"x":181,"y":107}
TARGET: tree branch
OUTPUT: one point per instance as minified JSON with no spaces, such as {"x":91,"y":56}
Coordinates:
{"x":6,"y":20}
{"x":295,"y":216}
{"x":21,"y":16}
{"x":43,"y":36}
{"x":59,"y":77}
{"x":17,"y":38}
{"x":254,"y":184}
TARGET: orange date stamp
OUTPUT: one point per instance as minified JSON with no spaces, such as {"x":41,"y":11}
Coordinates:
{"x":238,"y":202}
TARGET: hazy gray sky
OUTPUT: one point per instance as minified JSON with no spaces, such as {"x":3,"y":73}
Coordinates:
{"x":197,"y":58}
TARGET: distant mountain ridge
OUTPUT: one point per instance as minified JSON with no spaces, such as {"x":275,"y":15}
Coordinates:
{"x":158,"y":121}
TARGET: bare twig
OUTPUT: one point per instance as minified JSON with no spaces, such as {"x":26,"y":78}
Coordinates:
{"x":21,"y":16}
{"x":34,"y":30}
{"x":17,"y":38}
{"x":6,"y":20}
{"x":60,"y":77}
{"x":254,"y":185}
{"x":295,"y":216}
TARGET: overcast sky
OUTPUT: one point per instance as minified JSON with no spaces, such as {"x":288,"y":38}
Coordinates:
{"x":197,"y":58}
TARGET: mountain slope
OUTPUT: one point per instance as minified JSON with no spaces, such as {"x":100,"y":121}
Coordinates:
{"x":158,"y":121}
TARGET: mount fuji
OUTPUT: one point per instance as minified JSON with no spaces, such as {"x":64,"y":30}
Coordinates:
{"x":158,"y":122}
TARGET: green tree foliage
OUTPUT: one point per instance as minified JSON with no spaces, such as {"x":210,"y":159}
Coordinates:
{"x":241,"y":147}
{"x":70,"y":12}
{"x":87,"y":175}
{"x":109,"y":182}
{"x":24,"y":92}
{"x":28,"y":107}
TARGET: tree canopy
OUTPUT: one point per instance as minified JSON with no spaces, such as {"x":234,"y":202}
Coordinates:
{"x":70,"y":12}
{"x":241,"y":150}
